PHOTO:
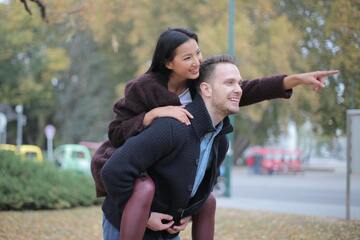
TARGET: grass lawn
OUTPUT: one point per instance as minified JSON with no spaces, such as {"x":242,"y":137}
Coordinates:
{"x":85,"y":223}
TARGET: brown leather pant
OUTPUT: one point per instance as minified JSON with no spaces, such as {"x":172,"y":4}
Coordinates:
{"x":137,"y":212}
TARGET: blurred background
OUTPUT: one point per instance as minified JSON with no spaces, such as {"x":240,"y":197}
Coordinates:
{"x":64,"y":71}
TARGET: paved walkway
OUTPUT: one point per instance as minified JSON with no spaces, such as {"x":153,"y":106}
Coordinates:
{"x":311,"y":193}
{"x":311,"y":209}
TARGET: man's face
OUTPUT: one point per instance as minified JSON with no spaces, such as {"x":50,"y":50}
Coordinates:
{"x":225,"y":85}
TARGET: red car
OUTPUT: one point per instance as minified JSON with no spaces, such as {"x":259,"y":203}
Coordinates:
{"x":266,"y":160}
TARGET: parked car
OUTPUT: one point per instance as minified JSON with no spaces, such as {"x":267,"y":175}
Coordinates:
{"x":8,"y":147}
{"x":29,"y":152}
{"x":92,"y":146}
{"x":73,"y":156}
{"x":266,"y":160}
{"x":293,"y":161}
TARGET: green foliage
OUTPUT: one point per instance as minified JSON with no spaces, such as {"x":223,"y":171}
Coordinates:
{"x":69,"y":72}
{"x":330,"y":40}
{"x":30,"y":185}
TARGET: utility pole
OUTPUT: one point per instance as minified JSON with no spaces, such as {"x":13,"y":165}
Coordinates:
{"x":231,"y":51}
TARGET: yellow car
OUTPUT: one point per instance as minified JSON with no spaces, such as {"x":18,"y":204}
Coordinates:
{"x":31,"y":152}
{"x":7,"y":147}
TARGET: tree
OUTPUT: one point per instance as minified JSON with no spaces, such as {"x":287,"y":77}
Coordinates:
{"x":27,"y":64}
{"x":70,"y":70}
{"x":331,"y":39}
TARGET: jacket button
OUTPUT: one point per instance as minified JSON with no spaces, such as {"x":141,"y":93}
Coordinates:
{"x":190,"y":187}
{"x":196,"y":161}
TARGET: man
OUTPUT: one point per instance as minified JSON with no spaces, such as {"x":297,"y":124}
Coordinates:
{"x":183,"y":160}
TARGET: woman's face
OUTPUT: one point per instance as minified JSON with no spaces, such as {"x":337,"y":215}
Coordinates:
{"x":186,"y":63}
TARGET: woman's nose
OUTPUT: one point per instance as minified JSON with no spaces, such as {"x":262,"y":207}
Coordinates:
{"x":197,"y":61}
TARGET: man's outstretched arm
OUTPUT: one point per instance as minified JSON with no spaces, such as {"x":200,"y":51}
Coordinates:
{"x":280,"y":86}
{"x":314,"y":79}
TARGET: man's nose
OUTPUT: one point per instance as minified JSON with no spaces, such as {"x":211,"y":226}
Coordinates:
{"x":238,"y":89}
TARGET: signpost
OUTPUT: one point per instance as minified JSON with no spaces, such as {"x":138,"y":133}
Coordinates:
{"x":353,"y":151}
{"x":50,"y":131}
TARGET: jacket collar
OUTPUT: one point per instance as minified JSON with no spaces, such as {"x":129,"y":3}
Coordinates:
{"x":201,"y":122}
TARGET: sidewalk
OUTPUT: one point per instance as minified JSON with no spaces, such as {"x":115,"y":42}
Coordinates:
{"x":323,"y":165}
{"x":312,"y":193}
{"x":322,"y":210}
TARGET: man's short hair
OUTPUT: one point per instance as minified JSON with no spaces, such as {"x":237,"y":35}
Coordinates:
{"x":207,"y":67}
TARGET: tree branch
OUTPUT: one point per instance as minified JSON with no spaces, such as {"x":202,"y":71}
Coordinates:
{"x":26,"y":6}
{"x":40,"y":4}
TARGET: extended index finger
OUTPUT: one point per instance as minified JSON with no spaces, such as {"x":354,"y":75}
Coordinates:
{"x":326,"y":73}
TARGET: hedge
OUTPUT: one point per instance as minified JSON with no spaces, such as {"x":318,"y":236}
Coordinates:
{"x":26,"y":184}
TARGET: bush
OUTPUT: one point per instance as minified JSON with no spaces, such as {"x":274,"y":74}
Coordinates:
{"x":30,"y":185}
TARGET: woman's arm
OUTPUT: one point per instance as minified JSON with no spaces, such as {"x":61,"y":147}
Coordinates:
{"x":129,"y":115}
{"x":138,"y":109}
{"x":125,"y":125}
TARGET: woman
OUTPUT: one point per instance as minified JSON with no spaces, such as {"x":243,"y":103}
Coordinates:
{"x":160,"y":92}
{"x":179,"y":48}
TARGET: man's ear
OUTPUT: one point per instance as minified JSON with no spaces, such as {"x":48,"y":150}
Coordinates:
{"x":205,"y":89}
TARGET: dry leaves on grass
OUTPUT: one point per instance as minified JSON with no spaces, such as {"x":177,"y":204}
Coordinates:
{"x":85,"y":223}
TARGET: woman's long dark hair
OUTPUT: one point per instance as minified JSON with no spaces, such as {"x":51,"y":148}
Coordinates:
{"x":165,"y":50}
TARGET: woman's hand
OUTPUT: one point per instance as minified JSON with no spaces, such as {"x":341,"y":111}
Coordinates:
{"x":175,"y":229}
{"x":177,"y":112}
{"x":315,"y":79}
{"x":155,"y":221}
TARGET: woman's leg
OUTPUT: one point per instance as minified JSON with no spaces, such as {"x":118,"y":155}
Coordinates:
{"x":137,"y":210}
{"x":204,"y":221}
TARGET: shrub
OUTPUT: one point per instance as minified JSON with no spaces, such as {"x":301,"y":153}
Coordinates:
{"x":30,"y":185}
